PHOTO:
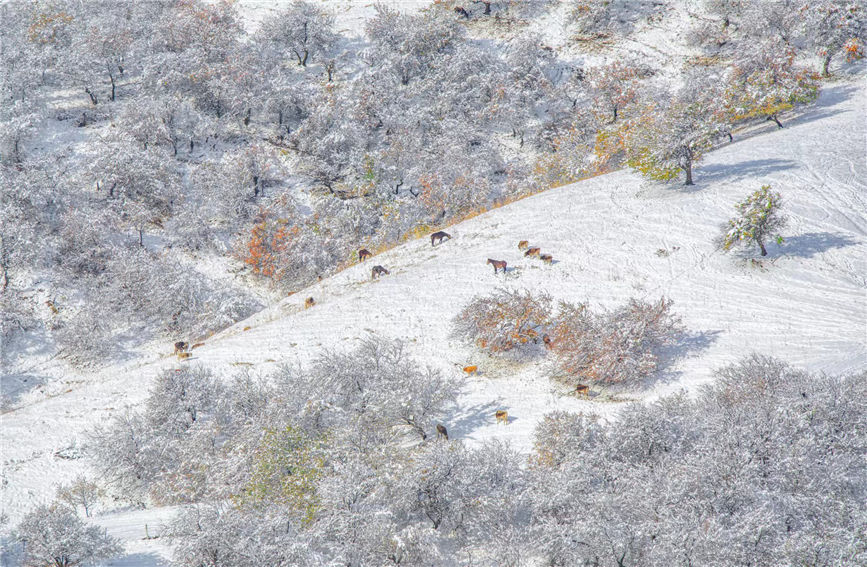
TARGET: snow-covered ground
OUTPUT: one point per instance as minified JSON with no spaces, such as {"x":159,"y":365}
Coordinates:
{"x":806,"y":303}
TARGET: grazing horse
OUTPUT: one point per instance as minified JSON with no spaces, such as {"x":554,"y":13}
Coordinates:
{"x":470,"y":370}
{"x":181,"y":346}
{"x":498,"y":265}
{"x":364,"y":254}
{"x":378,"y":271}
{"x":583,"y":390}
{"x":547,"y":258}
{"x":534,"y":251}
{"x":502,"y":415}
{"x":441,"y":431}
{"x":309,"y":302}
{"x":197,"y":345}
{"x":438,"y":237}
{"x":523,"y":245}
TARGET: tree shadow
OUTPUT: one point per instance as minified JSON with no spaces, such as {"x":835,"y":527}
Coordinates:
{"x":689,"y":344}
{"x":829,"y":98}
{"x":14,"y":386}
{"x":140,"y":560}
{"x":714,"y":173}
{"x":809,"y":244}
{"x":467,"y":419}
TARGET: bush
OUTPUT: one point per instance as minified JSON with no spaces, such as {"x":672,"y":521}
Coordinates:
{"x":617,"y":347}
{"x":503,"y":320}
{"x":56,"y":536}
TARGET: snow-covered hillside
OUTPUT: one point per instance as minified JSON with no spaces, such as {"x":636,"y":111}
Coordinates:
{"x":805,"y":303}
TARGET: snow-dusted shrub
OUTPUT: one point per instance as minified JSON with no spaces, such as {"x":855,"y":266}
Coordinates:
{"x":162,"y":451}
{"x":614,"y":347}
{"x":759,"y":218}
{"x":54,"y":535}
{"x":559,"y":435}
{"x":503,"y":320}
{"x":663,"y":472}
{"x":80,"y":492}
{"x":379,"y":385}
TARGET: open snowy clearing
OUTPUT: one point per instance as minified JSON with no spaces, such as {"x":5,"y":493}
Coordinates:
{"x":806,"y":304}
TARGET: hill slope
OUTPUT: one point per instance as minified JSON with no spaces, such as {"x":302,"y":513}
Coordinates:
{"x":806,"y":305}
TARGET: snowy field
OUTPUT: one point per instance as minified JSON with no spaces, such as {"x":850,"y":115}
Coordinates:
{"x":806,"y":303}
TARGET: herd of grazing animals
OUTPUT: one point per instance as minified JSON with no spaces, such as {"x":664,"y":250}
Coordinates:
{"x":182,"y":348}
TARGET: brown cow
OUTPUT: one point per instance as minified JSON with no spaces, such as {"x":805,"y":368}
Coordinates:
{"x":534,"y":251}
{"x":523,"y":245}
{"x":378,"y":271}
{"x":181,"y":346}
{"x":547,"y":258}
{"x":498,"y":265}
{"x":441,"y":431}
{"x":438,"y":237}
{"x":364,"y":254}
{"x":502,"y":415}
{"x":309,"y":302}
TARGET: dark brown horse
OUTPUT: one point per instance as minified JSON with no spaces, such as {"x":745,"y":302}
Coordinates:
{"x":364,"y":254}
{"x":441,"y":431}
{"x":534,"y":251}
{"x":309,"y":302}
{"x":498,"y":265}
{"x":181,"y":346}
{"x":378,"y":271}
{"x":438,"y":237}
{"x":547,"y":258}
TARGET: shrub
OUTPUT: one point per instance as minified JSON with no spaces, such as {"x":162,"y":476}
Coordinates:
{"x":56,"y":536}
{"x":503,"y":320}
{"x":617,"y":347}
{"x":81,"y":492}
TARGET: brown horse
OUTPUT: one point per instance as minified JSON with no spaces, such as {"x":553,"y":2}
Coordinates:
{"x":438,"y":237}
{"x":470,"y":370}
{"x":441,"y":431}
{"x":378,"y":271}
{"x":184,"y":355}
{"x":547,"y":258}
{"x":181,"y":346}
{"x":502,"y":415}
{"x":498,"y":265}
{"x":309,"y":302}
{"x":523,"y":245}
{"x":583,"y":390}
{"x":534,"y":251}
{"x":197,"y":345}
{"x":364,"y":254}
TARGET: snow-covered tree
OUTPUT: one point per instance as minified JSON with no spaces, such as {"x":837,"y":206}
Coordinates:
{"x":832,"y":25}
{"x":672,"y":136}
{"x":303,"y":29}
{"x":55,"y":536}
{"x":80,"y":492}
{"x":759,"y":218}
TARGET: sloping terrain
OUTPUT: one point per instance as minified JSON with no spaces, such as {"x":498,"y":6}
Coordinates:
{"x":805,"y":303}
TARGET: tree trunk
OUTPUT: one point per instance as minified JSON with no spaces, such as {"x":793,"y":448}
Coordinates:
{"x":141,"y":237}
{"x":304,"y":61}
{"x":113,"y":86}
{"x":774,"y":118}
{"x":688,"y":170}
{"x":827,"y":63}
{"x":92,"y":96}
{"x":762,"y":246}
